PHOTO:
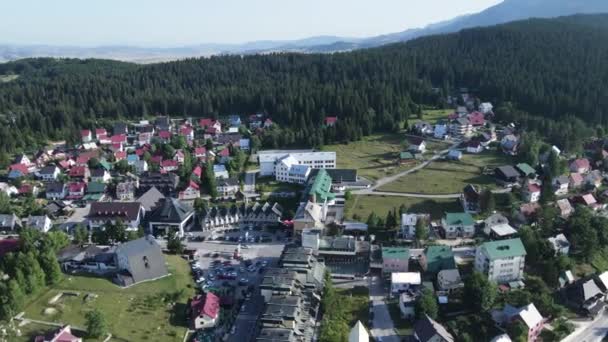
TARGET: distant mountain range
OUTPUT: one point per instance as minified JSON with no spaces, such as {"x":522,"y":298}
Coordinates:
{"x":508,"y":10}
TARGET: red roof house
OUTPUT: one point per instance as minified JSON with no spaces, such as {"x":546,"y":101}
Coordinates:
{"x":165,"y":135}
{"x":101,"y":133}
{"x":119,"y":139}
{"x":580,"y":165}
{"x":63,"y":334}
{"x":120,"y":155}
{"x":205,"y":310}
{"x":331,"y":120}
{"x":477,"y":119}
{"x":8,"y":246}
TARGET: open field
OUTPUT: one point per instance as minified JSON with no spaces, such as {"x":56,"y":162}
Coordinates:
{"x":449,"y":177}
{"x":433,"y":115}
{"x":8,"y":78}
{"x":374,"y":156}
{"x":364,"y":205}
{"x":142,"y":312}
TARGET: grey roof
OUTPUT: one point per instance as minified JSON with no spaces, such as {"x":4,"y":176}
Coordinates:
{"x":48,"y":170}
{"x":276,"y":335}
{"x":111,"y":210}
{"x":508,"y":171}
{"x":224,"y":182}
{"x":338,"y":175}
{"x":426,"y":328}
{"x":54,"y":187}
{"x":145,"y":258}
{"x":9,"y":221}
{"x":97,"y":172}
{"x":171,"y":211}
{"x":150,"y":199}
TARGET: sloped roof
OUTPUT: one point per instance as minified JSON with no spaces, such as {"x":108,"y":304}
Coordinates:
{"x":358,"y":333}
{"x":126,"y":210}
{"x":145,"y":258}
{"x":171,"y":211}
{"x":150,"y":198}
{"x":504,"y":248}
{"x":426,"y":328}
{"x":459,"y":218}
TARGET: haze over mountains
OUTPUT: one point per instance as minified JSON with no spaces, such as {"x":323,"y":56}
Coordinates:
{"x":507,"y":11}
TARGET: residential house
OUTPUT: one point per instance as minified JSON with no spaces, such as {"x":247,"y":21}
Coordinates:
{"x":565,"y":208}
{"x":9,"y":222}
{"x":437,"y":258}
{"x":461,"y":127}
{"x":580,"y":165}
{"x":560,"y":244}
{"x":454,"y":155}
{"x":501,"y":261}
{"x":245,"y":144}
{"x":561,"y":185}
{"x":220,"y":217}
{"x":458,"y":225}
{"x":95,"y":192}
{"x":528,"y":315}
{"x":506,"y":174}
{"x":86,"y":135}
{"x":140,"y":166}
{"x":330,"y":121}
{"x":509,"y":144}
{"x":63,"y":334}
{"x":404,"y":281}
{"x":227,"y":187}
{"x":8,"y":189}
{"x":428,"y":330}
{"x":179,"y":156}
{"x":449,"y":280}
{"x":525,"y":170}
{"x":395,"y":259}
{"x":120,"y":128}
{"x":41,"y":223}
{"x":594,"y":179}
{"x":587,"y":200}
{"x":220,"y":171}
{"x":101,"y":134}
{"x":204,"y":311}
{"x":139,"y":260}
{"x":80,"y":173}
{"x":531,"y":192}
{"x":234,"y":120}
{"x":49,"y":173}
{"x":576,"y":180}
{"x":494,"y":220}
{"x":165,"y":183}
{"x":76,"y":190}
{"x":470,"y":199}
{"x":406,"y":158}
{"x":440,"y":131}
{"x":22,"y":159}
{"x":584,"y":296}
{"x":408,"y":224}
{"x":187,"y":132}
{"x":101,"y":213}
{"x":162,"y":123}
{"x":474,"y":146}
{"x":268,"y":123}
{"x":125,"y":191}
{"x":262,"y":215}
{"x":528,"y":211}
{"x":169,"y":165}
{"x":477,"y":119}
{"x":18,"y":171}
{"x":56,"y":191}
{"x":190,"y":193}
{"x":416,"y":145}
{"x":28,"y":189}
{"x":170,"y":214}
{"x":486,"y":107}
{"x":358,"y":333}
{"x":423,"y":128}
{"x":407,"y":303}
{"x":100,"y":176}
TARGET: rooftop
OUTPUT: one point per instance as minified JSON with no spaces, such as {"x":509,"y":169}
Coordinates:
{"x":504,"y":249}
{"x":395,"y":253}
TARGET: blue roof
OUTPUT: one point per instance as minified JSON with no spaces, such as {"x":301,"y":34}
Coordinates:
{"x":219,"y":168}
{"x":132,"y":157}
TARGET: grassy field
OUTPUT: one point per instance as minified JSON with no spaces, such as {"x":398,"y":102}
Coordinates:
{"x":374,"y":156}
{"x":433,"y":115}
{"x":356,"y":302}
{"x":8,"y":78}
{"x":138,"y":313}
{"x":448,"y":177}
{"x":364,"y":205}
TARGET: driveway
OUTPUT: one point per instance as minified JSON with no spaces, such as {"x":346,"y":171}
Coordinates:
{"x":382,"y":326}
{"x":249,"y":181}
{"x":590,"y":331}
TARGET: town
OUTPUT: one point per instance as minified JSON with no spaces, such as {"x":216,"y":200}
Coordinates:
{"x":454,"y":227}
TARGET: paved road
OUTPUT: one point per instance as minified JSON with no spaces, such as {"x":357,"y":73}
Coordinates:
{"x":590,"y":331}
{"x":382,"y":324}
{"x":250,"y":181}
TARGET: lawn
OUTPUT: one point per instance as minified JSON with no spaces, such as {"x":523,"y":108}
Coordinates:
{"x":433,"y":115}
{"x":269,"y":184}
{"x":137,"y":313}
{"x":8,"y":78}
{"x":356,"y":304}
{"x":374,"y":156}
{"x":364,"y":205}
{"x":450,"y":177}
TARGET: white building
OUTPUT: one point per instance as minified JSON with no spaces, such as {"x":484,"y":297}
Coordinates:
{"x":41,"y":223}
{"x":358,"y":333}
{"x":289,"y":170}
{"x":486,"y":107}
{"x":311,"y":158}
{"x":408,"y":224}
{"x":403,"y":281}
{"x":502,"y":261}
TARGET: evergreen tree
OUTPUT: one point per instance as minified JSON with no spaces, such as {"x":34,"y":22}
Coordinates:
{"x":95,"y":323}
{"x":81,"y":235}
{"x":427,"y":305}
{"x":479,"y":292}
{"x":48,"y":261}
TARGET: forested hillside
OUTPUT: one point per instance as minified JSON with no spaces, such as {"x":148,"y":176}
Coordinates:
{"x":552,"y":68}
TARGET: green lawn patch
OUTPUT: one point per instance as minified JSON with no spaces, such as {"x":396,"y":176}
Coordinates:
{"x":374,"y":156}
{"x":450,"y":177}
{"x":269,"y":184}
{"x":364,"y":205}
{"x":433,"y":115}
{"x":141,"y":312}
{"x":356,"y":304}
{"x":8,"y":78}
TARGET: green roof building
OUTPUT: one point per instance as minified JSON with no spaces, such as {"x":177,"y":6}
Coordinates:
{"x":458,"y":225}
{"x":501,"y":261}
{"x":320,"y":191}
{"x":525,"y":169}
{"x":438,"y":258}
{"x":395,"y":259}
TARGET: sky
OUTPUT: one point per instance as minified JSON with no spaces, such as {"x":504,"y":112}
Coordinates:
{"x":170,"y":23}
